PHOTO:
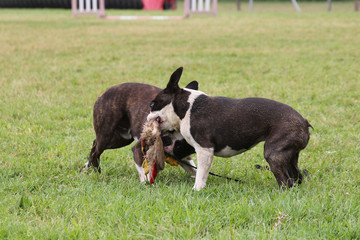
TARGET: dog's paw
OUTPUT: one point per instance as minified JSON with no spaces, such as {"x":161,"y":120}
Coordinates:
{"x":198,"y":187}
{"x":86,"y":165}
{"x":85,"y":168}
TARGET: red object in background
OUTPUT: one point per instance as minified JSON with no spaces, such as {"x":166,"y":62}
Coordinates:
{"x":153,"y":4}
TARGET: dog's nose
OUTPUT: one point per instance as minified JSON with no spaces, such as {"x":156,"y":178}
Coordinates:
{"x":158,"y":119}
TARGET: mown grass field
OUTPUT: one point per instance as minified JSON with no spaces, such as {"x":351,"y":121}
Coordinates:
{"x":53,"y":68}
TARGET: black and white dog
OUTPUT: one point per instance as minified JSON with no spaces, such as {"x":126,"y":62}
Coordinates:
{"x":118,"y":117}
{"x":225,"y":127}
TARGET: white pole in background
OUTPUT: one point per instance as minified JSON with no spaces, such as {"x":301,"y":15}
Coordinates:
{"x":200,"y":5}
{"x":296,"y":5}
{"x":251,"y":5}
{"x":193,"y":5}
{"x":329,"y":5}
{"x":207,"y":5}
{"x":81,"y":5}
{"x":87,"y":7}
{"x":94,"y":5}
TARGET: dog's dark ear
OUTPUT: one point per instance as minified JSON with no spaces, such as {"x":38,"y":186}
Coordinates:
{"x":194,"y":85}
{"x":173,"y":84}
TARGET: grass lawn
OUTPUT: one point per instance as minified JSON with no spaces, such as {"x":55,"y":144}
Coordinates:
{"x":53,"y":68}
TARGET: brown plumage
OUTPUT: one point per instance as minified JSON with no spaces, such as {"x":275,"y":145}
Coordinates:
{"x":152,"y":146}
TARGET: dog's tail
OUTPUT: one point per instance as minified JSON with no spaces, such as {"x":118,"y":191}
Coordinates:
{"x":308,"y":124}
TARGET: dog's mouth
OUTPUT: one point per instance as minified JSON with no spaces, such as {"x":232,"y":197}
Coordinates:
{"x":158,"y":119}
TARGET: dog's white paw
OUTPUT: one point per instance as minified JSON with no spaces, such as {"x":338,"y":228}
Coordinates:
{"x":198,"y":187}
{"x":85,"y":167}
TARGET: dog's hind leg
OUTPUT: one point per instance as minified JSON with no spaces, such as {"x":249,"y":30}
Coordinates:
{"x":100,"y":144}
{"x":94,"y":158}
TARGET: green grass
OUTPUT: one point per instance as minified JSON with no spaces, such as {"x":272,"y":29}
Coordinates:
{"x":53,"y":68}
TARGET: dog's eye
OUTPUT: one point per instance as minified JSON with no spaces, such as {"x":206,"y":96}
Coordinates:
{"x":152,"y":104}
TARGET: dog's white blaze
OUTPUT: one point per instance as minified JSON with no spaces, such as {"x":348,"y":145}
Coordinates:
{"x":229,"y":152}
{"x":170,"y":121}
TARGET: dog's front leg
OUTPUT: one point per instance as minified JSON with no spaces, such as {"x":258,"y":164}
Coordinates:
{"x":204,"y":160}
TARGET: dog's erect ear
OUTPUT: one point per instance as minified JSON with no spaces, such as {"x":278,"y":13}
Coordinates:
{"x":173,"y":84}
{"x":194,"y":85}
